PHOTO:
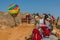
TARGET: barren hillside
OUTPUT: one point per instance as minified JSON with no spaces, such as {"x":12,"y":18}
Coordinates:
{"x":17,"y":33}
{"x":7,"y":20}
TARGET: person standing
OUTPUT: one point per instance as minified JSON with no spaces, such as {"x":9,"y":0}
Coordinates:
{"x":36,"y":34}
{"x":37,"y":17}
{"x":28,"y":18}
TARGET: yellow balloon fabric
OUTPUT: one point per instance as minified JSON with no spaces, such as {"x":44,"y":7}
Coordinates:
{"x":13,"y":11}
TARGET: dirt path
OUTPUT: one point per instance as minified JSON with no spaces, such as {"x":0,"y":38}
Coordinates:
{"x":17,"y":33}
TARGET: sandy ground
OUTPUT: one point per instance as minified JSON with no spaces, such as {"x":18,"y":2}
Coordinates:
{"x":17,"y":33}
{"x":20,"y":32}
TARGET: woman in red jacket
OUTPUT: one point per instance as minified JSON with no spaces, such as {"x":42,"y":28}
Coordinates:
{"x":36,"y":35}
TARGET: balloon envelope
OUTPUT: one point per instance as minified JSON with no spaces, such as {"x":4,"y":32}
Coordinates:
{"x":13,"y":9}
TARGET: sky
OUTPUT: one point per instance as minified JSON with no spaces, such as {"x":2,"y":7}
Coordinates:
{"x":33,"y":6}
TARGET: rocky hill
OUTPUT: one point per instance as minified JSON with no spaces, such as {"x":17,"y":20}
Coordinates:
{"x":7,"y":20}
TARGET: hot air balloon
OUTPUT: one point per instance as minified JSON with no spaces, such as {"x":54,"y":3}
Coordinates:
{"x":13,"y":9}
